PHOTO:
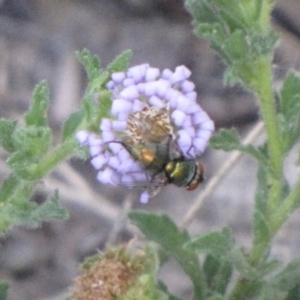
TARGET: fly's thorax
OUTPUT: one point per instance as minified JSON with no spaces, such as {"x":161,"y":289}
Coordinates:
{"x":181,"y":172}
{"x":151,"y":156}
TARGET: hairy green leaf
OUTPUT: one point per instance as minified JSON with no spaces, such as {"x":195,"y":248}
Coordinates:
{"x":90,"y":62}
{"x":121,"y":62}
{"x":225,"y":139}
{"x":8,"y":187}
{"x":240,"y":261}
{"x":37,"y":113}
{"x":4,"y":290}
{"x":217,"y":244}
{"x":261,"y":229}
{"x":289,"y":112}
{"x":217,"y":273}
{"x":51,"y":209}
{"x":284,"y":284}
{"x":32,"y":140}
{"x":7,"y":128}
{"x":216,"y":297}
{"x":71,"y":124}
{"x":228,"y":140}
{"x":239,"y":31}
{"x":163,"y":231}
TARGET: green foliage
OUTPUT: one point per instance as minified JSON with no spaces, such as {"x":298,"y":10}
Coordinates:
{"x":217,"y":274}
{"x":32,"y":154}
{"x":289,"y":112}
{"x":228,"y":140}
{"x":96,"y":101}
{"x":285,"y":284}
{"x":163,"y":230}
{"x":3,"y":290}
{"x":217,"y":244}
{"x":70,"y":126}
{"x":7,"y":128}
{"x":37,"y":113}
{"x":239,"y":31}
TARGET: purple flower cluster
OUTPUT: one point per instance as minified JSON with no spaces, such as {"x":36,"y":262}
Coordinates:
{"x":146,"y":90}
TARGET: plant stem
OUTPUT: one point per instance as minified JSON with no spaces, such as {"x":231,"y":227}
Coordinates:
{"x":287,"y":207}
{"x":263,"y":89}
{"x":261,"y":85}
{"x":64,"y":150}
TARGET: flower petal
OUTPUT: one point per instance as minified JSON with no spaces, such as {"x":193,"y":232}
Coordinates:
{"x":144,"y":197}
{"x":82,"y":137}
{"x":184,"y":140}
{"x":96,"y":150}
{"x":120,"y":105}
{"x":119,"y":125}
{"x":98,"y":161}
{"x":106,"y":176}
{"x":130,"y":93}
{"x":151,"y":74}
{"x":157,"y":102}
{"x":106,"y":125}
{"x":113,"y":162}
{"x":118,"y":77}
{"x":199,"y":145}
{"x":187,"y":86}
{"x":178,"y":117}
{"x":138,"y":73}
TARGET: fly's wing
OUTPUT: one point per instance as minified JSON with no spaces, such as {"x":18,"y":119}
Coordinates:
{"x":140,"y":179}
{"x":173,"y":150}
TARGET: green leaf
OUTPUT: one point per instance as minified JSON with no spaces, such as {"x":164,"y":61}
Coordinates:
{"x":225,"y":139}
{"x":47,"y":211}
{"x":228,"y":140}
{"x":261,"y":229}
{"x":7,"y":128}
{"x":19,"y":162}
{"x":239,"y":31}
{"x":32,"y":140}
{"x":121,"y":62}
{"x":51,"y":209}
{"x":71,"y":124}
{"x":37,"y":113}
{"x":289,"y":112}
{"x":288,"y":278}
{"x":8,"y":187}
{"x":211,"y":267}
{"x":12,"y":214}
{"x":217,"y":273}
{"x":284,"y":284}
{"x":218,"y":244}
{"x":160,"y":229}
{"x":216,"y":297}
{"x":95,"y":112}
{"x":4,"y":290}
{"x":259,"y":153}
{"x":294,"y":293}
{"x":290,"y":89}
{"x":163,"y":231}
{"x":240,"y":261}
{"x":90,"y":62}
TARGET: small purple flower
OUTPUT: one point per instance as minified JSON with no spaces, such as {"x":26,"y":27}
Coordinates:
{"x":148,"y":106}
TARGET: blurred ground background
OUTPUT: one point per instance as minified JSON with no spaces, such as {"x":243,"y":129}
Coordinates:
{"x":38,"y":40}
